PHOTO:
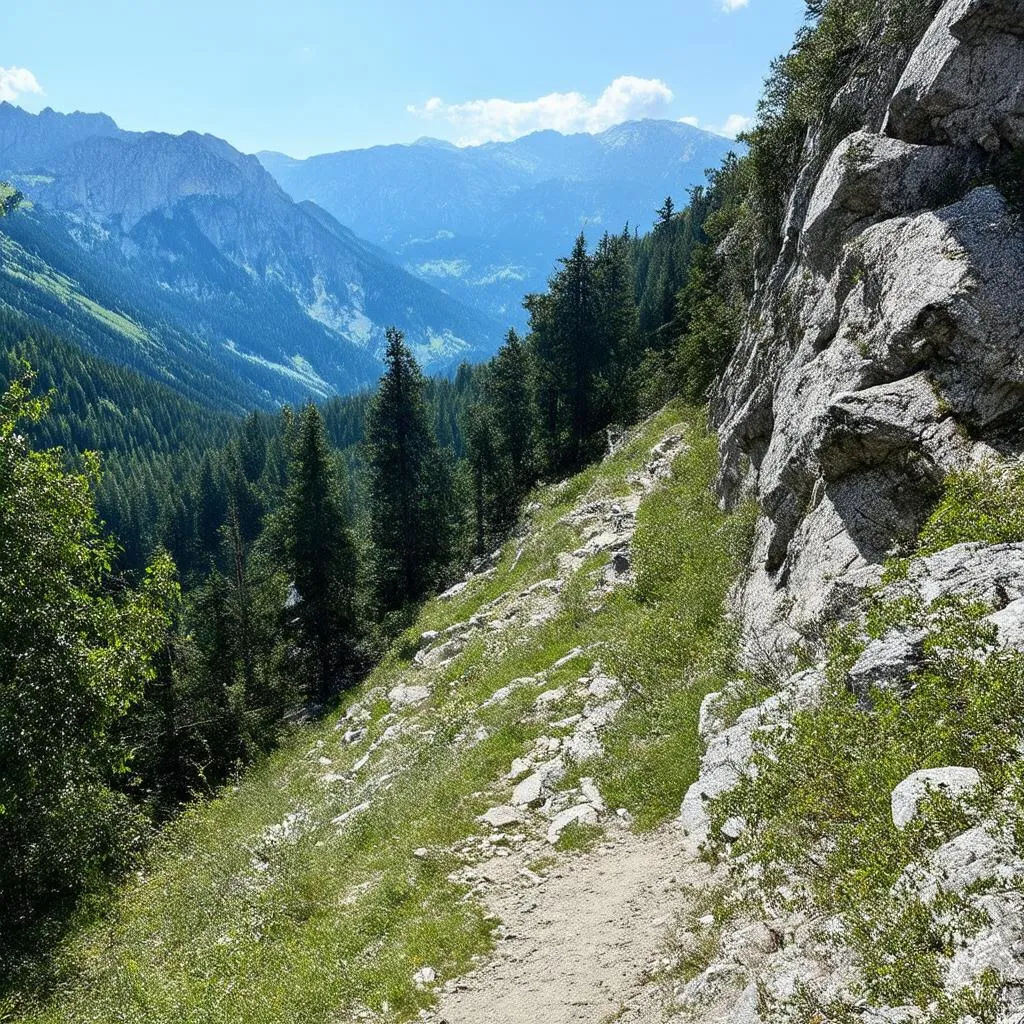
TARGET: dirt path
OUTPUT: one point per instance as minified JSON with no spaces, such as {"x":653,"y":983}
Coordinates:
{"x":578,"y":943}
{"x":580,"y":938}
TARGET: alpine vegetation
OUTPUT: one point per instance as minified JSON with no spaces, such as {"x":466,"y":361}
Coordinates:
{"x":667,"y":660}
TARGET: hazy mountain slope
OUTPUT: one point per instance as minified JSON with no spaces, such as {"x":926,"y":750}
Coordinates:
{"x":94,"y":299}
{"x":205,"y":243}
{"x":487,"y":223}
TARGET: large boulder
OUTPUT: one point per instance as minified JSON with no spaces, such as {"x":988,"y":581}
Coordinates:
{"x":954,"y":783}
{"x":869,"y":178}
{"x":991,"y":573}
{"x":965,"y":82}
{"x":887,"y":662}
{"x":907,"y":357}
{"x":729,"y":751}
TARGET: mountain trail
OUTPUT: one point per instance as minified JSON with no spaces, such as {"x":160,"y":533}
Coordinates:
{"x":582,"y":943}
{"x":580,"y":934}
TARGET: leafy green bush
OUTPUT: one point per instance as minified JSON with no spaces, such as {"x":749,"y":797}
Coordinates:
{"x":819,"y":805}
{"x":673,"y":642}
{"x":76,"y":648}
{"x":985,"y":504}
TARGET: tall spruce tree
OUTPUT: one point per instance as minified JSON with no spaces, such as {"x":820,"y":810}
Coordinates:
{"x":321,"y":557}
{"x":617,"y":351}
{"x":485,"y":473}
{"x":510,"y":397}
{"x":409,"y":488}
{"x":577,"y":311}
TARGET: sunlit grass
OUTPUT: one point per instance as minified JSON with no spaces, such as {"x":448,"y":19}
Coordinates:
{"x":242,"y":917}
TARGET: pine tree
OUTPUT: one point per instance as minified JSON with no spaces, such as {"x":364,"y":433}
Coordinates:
{"x":485,"y":473}
{"x":410,"y":526}
{"x":321,"y":557}
{"x":706,"y":327}
{"x":575,"y":318}
{"x":616,"y":324}
{"x":510,"y":397}
{"x":252,"y":448}
{"x":547,"y":376}
{"x":211,"y":507}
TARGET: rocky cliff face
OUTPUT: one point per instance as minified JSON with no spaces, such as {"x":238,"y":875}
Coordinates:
{"x":884,"y":349}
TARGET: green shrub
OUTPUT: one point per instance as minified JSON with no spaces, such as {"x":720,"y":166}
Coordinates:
{"x":985,"y":504}
{"x":819,"y":805}
{"x":673,"y":642}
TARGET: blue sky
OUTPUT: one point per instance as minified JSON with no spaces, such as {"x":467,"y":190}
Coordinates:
{"x":310,"y":76}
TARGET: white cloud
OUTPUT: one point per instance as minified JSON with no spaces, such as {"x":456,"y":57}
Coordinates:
{"x":733,"y":5}
{"x":694,"y":122}
{"x":15,"y":82}
{"x":497,"y":120}
{"x":734,"y":124}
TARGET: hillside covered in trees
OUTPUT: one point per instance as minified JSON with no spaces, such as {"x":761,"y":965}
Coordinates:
{"x":284,"y":551}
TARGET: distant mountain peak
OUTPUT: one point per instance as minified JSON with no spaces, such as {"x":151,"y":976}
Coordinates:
{"x":487,"y":223}
{"x":230,"y":275}
{"x":430,"y":141}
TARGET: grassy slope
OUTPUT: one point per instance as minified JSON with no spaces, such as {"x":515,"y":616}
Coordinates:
{"x":256,"y":907}
{"x":19,"y":264}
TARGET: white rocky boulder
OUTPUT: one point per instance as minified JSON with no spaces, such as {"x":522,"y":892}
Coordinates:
{"x":424,"y":976}
{"x":405,"y":696}
{"x":729,"y":751}
{"x":502,"y":816}
{"x":971,"y":859}
{"x":952,"y":782}
{"x":1009,"y":622}
{"x":533,"y":788}
{"x":965,"y":81}
{"x":582,"y":813}
{"x":887,"y":661}
{"x":869,"y":178}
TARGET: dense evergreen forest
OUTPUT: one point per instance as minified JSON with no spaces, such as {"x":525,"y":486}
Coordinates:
{"x":227,"y":577}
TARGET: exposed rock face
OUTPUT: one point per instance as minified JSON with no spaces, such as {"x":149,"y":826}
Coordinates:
{"x":952,"y":782}
{"x":729,"y":750}
{"x":963,"y":83}
{"x":883,"y":351}
{"x":898,"y":356}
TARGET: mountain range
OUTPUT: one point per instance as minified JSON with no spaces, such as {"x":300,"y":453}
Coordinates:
{"x":245,"y":281}
{"x":183,"y":257}
{"x":488,"y":223}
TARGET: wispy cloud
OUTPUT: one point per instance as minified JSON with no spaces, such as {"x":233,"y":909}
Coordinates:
{"x":17,"y":82}
{"x":734,"y":125}
{"x":733,"y":5}
{"x":499,"y":120}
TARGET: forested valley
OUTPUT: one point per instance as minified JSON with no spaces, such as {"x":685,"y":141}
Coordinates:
{"x":179,"y":586}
